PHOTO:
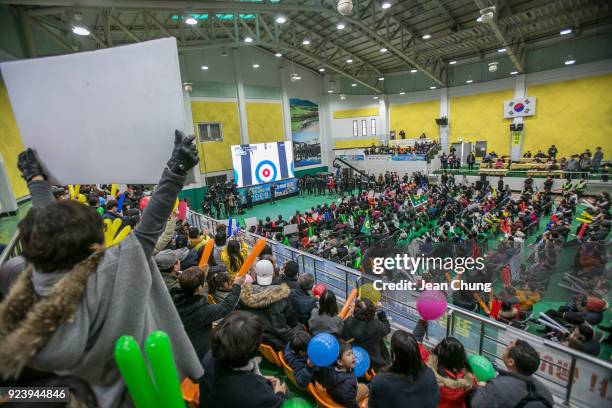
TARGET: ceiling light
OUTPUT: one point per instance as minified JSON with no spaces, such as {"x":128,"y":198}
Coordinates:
{"x":469,"y":81}
{"x":381,"y":78}
{"x":191,"y":20}
{"x":513,"y":72}
{"x":353,"y":84}
{"x":306,"y":41}
{"x":376,"y":97}
{"x":452,"y":62}
{"x":501,"y":50}
{"x":412,"y":71}
{"x":255,"y":65}
{"x":321,"y":69}
{"x":342,"y":97}
{"x":281,"y":20}
{"x":565,"y":31}
{"x":570,"y":61}
{"x":340,"y":26}
{"x":432,"y":87}
{"x":278,"y":55}
{"x":224,"y":53}
{"x":383,"y":49}
{"x":426,"y":37}
{"x":248,"y":39}
{"x":479,"y":19}
{"x":386,"y":5}
{"x":205,"y":67}
{"x":402,"y":93}
{"x":294,"y":77}
{"x":80,"y":30}
{"x":349,"y":61}
{"x":330,"y":91}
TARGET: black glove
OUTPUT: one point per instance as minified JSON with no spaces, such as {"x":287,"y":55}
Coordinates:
{"x":29,"y":166}
{"x":185,"y":154}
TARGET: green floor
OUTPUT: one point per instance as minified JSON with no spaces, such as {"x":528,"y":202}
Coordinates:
{"x":8,"y":225}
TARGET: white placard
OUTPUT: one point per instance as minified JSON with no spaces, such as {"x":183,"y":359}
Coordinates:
{"x":105,"y":116}
{"x":514,"y":108}
{"x":290,"y":229}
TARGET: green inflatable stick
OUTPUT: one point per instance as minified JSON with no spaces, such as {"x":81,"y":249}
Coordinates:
{"x":134,"y":372}
{"x":159,"y":353}
{"x":296,"y":403}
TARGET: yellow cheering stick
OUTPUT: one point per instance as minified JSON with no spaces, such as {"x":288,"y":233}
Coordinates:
{"x":586,"y":215}
{"x":74,"y":191}
{"x":114,"y":191}
{"x":111,"y":237}
{"x":584,"y":220}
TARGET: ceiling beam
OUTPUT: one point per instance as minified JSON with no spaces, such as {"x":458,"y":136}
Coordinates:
{"x":515,"y":51}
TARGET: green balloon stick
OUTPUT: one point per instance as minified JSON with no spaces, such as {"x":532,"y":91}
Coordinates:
{"x":159,"y":353}
{"x":135,"y":373}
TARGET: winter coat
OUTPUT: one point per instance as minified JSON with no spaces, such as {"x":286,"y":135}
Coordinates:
{"x":291,"y":282}
{"x":225,"y":387}
{"x":453,"y":388}
{"x":340,"y":385}
{"x":303,"y":373}
{"x":324,"y":323}
{"x":302,"y":303}
{"x":198,"y":316}
{"x":370,"y":335}
{"x":271,"y":303}
{"x":389,"y":390}
{"x":507,"y":390}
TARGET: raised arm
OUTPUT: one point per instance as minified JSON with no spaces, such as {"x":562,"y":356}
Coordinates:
{"x":32,"y":172}
{"x":155,"y":215}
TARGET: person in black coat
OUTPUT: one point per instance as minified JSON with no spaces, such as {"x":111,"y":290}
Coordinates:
{"x":195,"y":312}
{"x":302,"y":300}
{"x":408,"y":382}
{"x":288,"y":275}
{"x":368,"y":328}
{"x":231,"y":372}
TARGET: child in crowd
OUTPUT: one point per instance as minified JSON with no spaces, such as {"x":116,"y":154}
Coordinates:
{"x":302,"y":300}
{"x":296,"y":357}
{"x":340,"y":382}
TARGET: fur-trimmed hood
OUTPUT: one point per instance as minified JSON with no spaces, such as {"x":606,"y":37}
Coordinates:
{"x":261,"y":297}
{"x":467,"y":382}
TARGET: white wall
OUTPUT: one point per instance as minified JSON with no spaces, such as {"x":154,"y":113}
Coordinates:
{"x":342,"y":129}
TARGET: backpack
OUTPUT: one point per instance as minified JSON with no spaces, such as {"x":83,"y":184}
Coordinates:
{"x":532,"y":396}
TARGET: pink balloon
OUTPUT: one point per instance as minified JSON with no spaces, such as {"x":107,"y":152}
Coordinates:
{"x":431,"y":304}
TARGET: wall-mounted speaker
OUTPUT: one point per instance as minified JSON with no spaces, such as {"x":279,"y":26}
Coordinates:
{"x":519,"y":127}
{"x":443,"y":121}
{"x":512,"y":127}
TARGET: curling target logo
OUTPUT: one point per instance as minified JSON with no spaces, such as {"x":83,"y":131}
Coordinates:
{"x":266,"y":172}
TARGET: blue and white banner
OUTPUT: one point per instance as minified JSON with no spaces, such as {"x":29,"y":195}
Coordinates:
{"x":261,"y":192}
{"x":352,"y":157}
{"x":408,"y":157}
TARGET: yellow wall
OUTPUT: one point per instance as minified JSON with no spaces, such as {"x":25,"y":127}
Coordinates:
{"x":216,"y":156}
{"x":265,"y":122}
{"x":573,"y":115}
{"x":344,"y":144}
{"x":480,"y":117}
{"x":355,"y":113}
{"x":415,"y":118}
{"x":10,"y":144}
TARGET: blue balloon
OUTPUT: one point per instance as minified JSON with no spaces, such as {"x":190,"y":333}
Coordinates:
{"x":362,"y":361}
{"x":101,"y":200}
{"x":323,"y":349}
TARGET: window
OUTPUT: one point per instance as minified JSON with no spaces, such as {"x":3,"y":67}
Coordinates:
{"x":355,"y":129}
{"x":210,"y":132}
{"x":221,"y":179}
{"x":364,"y":127}
{"x":373,"y":125}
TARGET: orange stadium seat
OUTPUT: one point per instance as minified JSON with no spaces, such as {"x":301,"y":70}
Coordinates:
{"x":269,"y":354}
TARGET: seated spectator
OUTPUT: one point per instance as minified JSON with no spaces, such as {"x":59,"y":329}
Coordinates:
{"x":302,"y":300}
{"x":219,"y":285}
{"x":583,"y":338}
{"x":325,"y":319}
{"x":288,"y":275}
{"x":296,"y":357}
{"x":169,"y":265}
{"x":74,"y":297}
{"x":195,"y":312}
{"x":517,"y":386}
{"x":195,"y":238}
{"x":368,"y":328}
{"x":271,"y":304}
{"x":453,"y":375}
{"x":220,"y":241}
{"x":231,"y":369}
{"x":339,"y":380}
{"x":112,"y":210}
{"x":408,"y":382}
{"x":234,"y":255}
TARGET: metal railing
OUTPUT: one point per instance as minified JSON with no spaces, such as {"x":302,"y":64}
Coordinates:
{"x":560,"y":366}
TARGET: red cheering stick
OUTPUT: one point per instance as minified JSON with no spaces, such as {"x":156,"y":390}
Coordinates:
{"x":259,"y":246}
{"x":206,"y":254}
{"x":582,"y":230}
{"x":506,"y":276}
